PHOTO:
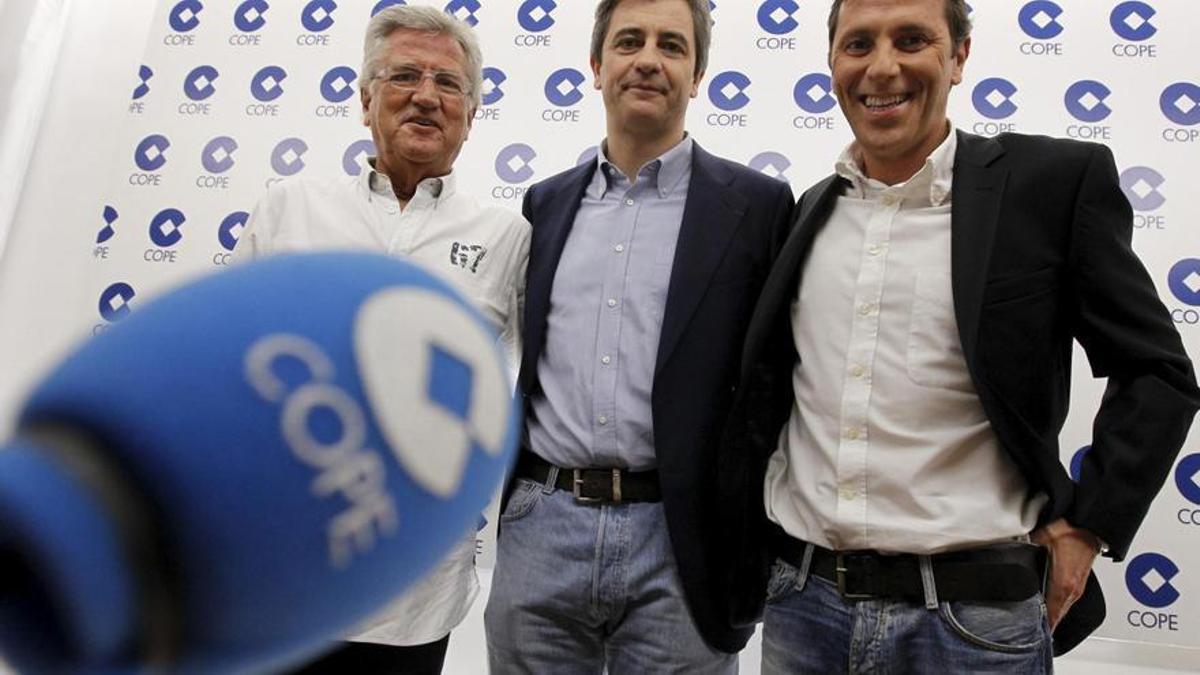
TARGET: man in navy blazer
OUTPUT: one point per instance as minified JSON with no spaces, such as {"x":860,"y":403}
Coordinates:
{"x":644,"y":267}
{"x":893,"y":457}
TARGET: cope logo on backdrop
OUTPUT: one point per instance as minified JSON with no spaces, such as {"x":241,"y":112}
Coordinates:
{"x":116,"y":302}
{"x":1040,"y":20}
{"x":491,"y":90}
{"x":1132,"y":21}
{"x":107,"y":231}
{"x":231,"y":228}
{"x":1076,"y":466}
{"x":1180,"y":103}
{"x":317,"y":15}
{"x":993,"y":98}
{"x":354,"y":159}
{"x":1187,"y":478}
{"x":727,"y":90}
{"x":337,"y":85}
{"x":536,"y":16}
{"x":464,"y":10}
{"x":1141,"y":187}
{"x":143,"y":85}
{"x":150,"y":153}
{"x":166,"y":227}
{"x":251,"y":15}
{"x":771,"y":163}
{"x":513,"y":165}
{"x":1148,"y":578}
{"x":185,"y":15}
{"x":813,"y":93}
{"x":1184,"y":281}
{"x":217,"y":156}
{"x":267,"y":84}
{"x":777,"y":17}
{"x":1085,"y":100}
{"x":200,"y":83}
{"x":563,"y":87}
{"x":287,"y":159}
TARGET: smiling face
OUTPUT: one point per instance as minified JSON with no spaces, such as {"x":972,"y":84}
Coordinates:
{"x":418,"y":131}
{"x":646,"y":70}
{"x":893,"y":63}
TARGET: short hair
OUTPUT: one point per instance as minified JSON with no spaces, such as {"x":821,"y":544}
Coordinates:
{"x":701,"y":26}
{"x":956,"y":19}
{"x":417,"y":17}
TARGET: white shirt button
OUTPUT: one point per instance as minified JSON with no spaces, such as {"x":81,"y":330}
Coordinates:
{"x":852,"y":434}
{"x":391,"y":210}
{"x":866,"y":308}
{"x":875,"y":249}
{"x":619,"y":248}
{"x":848,"y":494}
{"x":628,"y":202}
{"x":612,"y":302}
{"x":858,"y":371}
{"x":602,"y":420}
{"x":606,"y":359}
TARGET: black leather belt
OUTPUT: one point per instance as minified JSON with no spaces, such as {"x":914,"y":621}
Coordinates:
{"x":1003,"y":573}
{"x":594,"y":486}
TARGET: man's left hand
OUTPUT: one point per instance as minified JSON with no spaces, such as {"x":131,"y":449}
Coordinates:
{"x":1072,"y":552}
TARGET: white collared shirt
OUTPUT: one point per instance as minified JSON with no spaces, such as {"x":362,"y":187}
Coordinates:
{"x":481,"y":251}
{"x":887,"y":446}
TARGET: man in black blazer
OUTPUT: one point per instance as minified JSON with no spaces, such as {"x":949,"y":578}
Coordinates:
{"x":644,"y":267}
{"x":894,"y":447}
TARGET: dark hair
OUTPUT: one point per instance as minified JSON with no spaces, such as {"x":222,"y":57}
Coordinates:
{"x":956,"y":19}
{"x":701,"y":26}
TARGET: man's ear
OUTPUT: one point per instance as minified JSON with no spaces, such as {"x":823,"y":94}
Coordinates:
{"x":696,"y":84}
{"x":961,"y":53}
{"x":595,"y":72}
{"x":364,"y":95}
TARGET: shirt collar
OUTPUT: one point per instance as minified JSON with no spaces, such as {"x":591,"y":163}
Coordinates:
{"x":378,"y":185}
{"x":932,"y":182}
{"x":662,"y":173}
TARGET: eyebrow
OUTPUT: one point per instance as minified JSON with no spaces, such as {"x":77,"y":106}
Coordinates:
{"x":638,"y":32}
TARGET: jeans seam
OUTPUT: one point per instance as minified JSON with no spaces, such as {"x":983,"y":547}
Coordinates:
{"x":948,"y":615}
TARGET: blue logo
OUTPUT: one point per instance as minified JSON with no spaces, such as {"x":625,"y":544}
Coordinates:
{"x":1077,"y":462}
{"x":727,"y":90}
{"x":217,"y":156}
{"x":771,"y":164}
{"x":993,"y":98}
{"x":107,"y":232}
{"x":1085,"y":101}
{"x":1140,"y":185}
{"x":1187,"y":478}
{"x":287,"y":158}
{"x":384,"y":4}
{"x":464,"y":10}
{"x":185,"y":15}
{"x":143,"y":87}
{"x":166,"y":228}
{"x":1184,"y":281}
{"x":198,"y":85}
{"x":354,"y":160}
{"x":514,"y":163}
{"x":562,"y":87}
{"x":492,"y":79}
{"x":317,"y":15}
{"x":1039,"y":19}
{"x":776,"y":16}
{"x":250,"y":15}
{"x":1148,"y":578}
{"x":813,"y":93}
{"x":150,"y":153}
{"x":338,"y":84}
{"x":536,"y":16}
{"x":1180,"y":102}
{"x":231,"y":229}
{"x":115,"y":301}
{"x":267,"y":84}
{"x":1131,"y":21}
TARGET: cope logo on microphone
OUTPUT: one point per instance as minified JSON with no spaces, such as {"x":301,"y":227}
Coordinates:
{"x":115,"y":302}
{"x":771,"y":164}
{"x":1148,"y":578}
{"x":231,"y":229}
{"x":514,"y":164}
{"x":1131,"y":21}
{"x":1039,"y":19}
{"x":143,"y":85}
{"x":267,"y":84}
{"x":166,"y":228}
{"x":185,"y":15}
{"x":1141,"y":187}
{"x":464,"y":10}
{"x":777,"y":17}
{"x":107,"y":231}
{"x":562,"y":87}
{"x":536,"y":16}
{"x":287,"y":159}
{"x":338,"y":84}
{"x":813,"y":93}
{"x":198,"y":85}
{"x":384,"y":4}
{"x":150,"y":154}
{"x":354,"y":159}
{"x":1180,"y":102}
{"x":1085,"y":101}
{"x":492,"y":79}
{"x":217,"y":156}
{"x":317,"y":15}
{"x":1184,"y":281}
{"x":1076,"y":467}
{"x":992,"y":98}
{"x":250,"y":15}
{"x":1187,"y":478}
{"x":727,"y":91}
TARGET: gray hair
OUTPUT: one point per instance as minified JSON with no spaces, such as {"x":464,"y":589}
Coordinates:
{"x":701,"y":26}
{"x":416,"y":17}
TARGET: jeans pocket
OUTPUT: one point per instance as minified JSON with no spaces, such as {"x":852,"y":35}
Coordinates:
{"x":1009,"y":627}
{"x":783,"y":580}
{"x":524,"y":496}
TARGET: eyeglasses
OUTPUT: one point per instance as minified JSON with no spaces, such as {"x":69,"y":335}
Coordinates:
{"x":409,"y":80}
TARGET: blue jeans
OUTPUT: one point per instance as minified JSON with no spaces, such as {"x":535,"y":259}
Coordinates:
{"x":809,"y":628}
{"x":579,"y":588}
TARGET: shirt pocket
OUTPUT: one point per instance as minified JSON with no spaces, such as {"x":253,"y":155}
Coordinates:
{"x":934,"y":357}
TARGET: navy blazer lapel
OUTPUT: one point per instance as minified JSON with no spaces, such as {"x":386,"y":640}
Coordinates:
{"x":975,"y":211}
{"x":711,"y":215}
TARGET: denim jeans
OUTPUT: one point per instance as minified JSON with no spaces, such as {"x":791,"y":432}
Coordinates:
{"x":809,"y":628}
{"x":582,"y":588}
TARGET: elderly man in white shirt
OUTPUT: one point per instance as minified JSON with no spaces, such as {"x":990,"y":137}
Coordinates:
{"x":420,"y":87}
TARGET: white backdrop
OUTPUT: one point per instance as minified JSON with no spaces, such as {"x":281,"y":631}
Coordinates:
{"x":166,"y":122}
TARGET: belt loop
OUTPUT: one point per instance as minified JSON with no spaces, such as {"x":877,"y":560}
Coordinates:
{"x":551,"y":480}
{"x":927,"y":582}
{"x":805,"y":564}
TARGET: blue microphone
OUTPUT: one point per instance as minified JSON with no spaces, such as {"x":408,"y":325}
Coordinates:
{"x":245,"y":468}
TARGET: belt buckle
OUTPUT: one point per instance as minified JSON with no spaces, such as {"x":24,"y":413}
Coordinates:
{"x":577,"y":488}
{"x":841,"y":569}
